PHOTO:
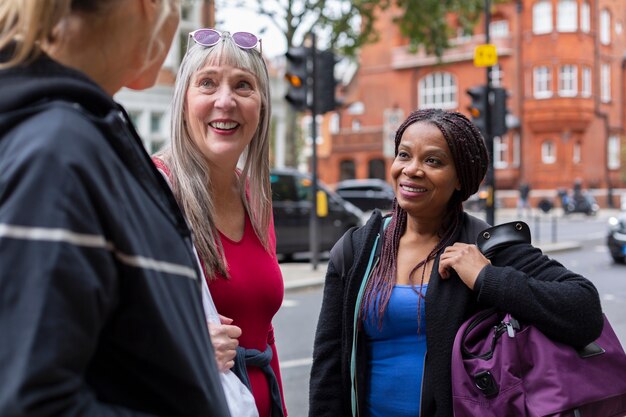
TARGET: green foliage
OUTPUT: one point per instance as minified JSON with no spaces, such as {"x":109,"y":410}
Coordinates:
{"x":347,"y":25}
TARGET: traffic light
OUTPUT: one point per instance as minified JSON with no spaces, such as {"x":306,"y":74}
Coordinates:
{"x":478,"y":107}
{"x":499,"y":111}
{"x":297,"y":74}
{"x":325,"y":83}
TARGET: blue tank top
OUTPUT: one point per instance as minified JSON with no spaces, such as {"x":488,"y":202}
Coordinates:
{"x":395,"y":356}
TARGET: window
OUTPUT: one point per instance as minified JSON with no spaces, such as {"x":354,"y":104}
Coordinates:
{"x":605,"y":27}
{"x":568,"y":81}
{"x":500,"y":150}
{"x":586,"y":82}
{"x":605,"y":83}
{"x":496,"y":76}
{"x":613,"y":160}
{"x":585,"y":17}
{"x":438,"y":90}
{"x":542,"y":86}
{"x":377,"y":169}
{"x":517,"y":149}
{"x":499,"y":29}
{"x":576,"y":155}
{"x":334,"y":123}
{"x":567,"y":16}
{"x":548,"y":152}
{"x":155,"y":146}
{"x":346,"y":170}
{"x":135,"y":117}
{"x":542,"y":17}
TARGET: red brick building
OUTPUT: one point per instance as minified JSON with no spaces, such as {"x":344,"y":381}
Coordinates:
{"x":563,"y":63}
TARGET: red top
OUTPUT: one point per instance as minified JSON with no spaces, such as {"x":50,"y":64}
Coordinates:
{"x":251,"y":297}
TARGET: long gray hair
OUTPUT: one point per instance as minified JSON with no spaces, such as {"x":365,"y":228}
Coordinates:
{"x":191,"y":175}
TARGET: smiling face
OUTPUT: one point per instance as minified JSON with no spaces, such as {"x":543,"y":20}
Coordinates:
{"x":223,"y":106}
{"x":423,"y":173}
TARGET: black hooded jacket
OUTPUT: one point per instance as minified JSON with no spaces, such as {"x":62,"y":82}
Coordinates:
{"x":100,"y":304}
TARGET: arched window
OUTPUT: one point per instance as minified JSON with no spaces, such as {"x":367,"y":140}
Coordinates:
{"x":438,"y":90}
{"x":346,"y":170}
{"x":542,"y":17}
{"x":377,"y":169}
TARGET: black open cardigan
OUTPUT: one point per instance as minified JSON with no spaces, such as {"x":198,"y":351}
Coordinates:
{"x":521,"y":279}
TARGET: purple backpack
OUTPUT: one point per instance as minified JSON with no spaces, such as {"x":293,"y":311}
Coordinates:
{"x":504,"y":368}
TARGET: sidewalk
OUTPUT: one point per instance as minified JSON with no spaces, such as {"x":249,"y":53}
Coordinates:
{"x":300,"y":275}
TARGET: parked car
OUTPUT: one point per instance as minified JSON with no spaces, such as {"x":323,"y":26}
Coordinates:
{"x":366,"y":194}
{"x":616,"y":239}
{"x":291,"y":198}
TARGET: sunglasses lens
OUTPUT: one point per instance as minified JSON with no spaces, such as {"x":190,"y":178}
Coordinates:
{"x":206,"y":37}
{"x":245,"y":40}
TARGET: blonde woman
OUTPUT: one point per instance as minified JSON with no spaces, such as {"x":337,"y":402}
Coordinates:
{"x":220,"y":120}
{"x":100,"y":298}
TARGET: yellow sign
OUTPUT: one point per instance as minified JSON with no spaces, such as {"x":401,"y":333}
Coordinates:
{"x":485,"y":55}
{"x":322,"y":204}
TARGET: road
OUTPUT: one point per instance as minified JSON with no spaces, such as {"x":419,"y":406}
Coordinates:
{"x":296,"y":321}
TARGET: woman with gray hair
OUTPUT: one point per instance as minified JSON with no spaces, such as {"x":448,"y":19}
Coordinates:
{"x":100,"y":301}
{"x":218,"y":167}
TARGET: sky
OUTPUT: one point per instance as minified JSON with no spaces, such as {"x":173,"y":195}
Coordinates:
{"x":235,"y":19}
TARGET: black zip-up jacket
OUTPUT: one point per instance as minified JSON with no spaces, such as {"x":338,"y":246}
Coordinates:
{"x":521,"y":280}
{"x":100,"y":304}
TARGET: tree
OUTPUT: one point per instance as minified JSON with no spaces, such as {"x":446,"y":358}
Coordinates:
{"x":347,"y":25}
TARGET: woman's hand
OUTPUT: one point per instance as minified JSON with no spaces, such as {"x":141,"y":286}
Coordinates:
{"x":224,"y":339}
{"x":465,"y":259}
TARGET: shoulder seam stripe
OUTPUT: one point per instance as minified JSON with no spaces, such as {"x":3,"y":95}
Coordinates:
{"x":44,"y":234}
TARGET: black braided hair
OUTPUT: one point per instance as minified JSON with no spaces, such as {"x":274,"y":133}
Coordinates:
{"x":471,"y":160}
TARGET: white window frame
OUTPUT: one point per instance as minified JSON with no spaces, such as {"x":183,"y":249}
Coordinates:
{"x":568,"y":81}
{"x":605,"y":27}
{"x":517,"y":149}
{"x":542,"y":17}
{"x":496,"y":75}
{"x":500,"y":152}
{"x":577,"y":153}
{"x":567,"y":16}
{"x":499,"y":28}
{"x":605,"y":83}
{"x":548,"y":152}
{"x":306,"y":129}
{"x":585,"y":17}
{"x":585,"y":89}
{"x":542,"y":82}
{"x":613,"y":152}
{"x":438,"y":90}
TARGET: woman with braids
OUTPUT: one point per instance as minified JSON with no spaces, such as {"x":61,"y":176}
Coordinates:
{"x":388,"y":353}
{"x":101,"y":308}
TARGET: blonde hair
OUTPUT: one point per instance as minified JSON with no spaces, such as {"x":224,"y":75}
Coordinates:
{"x":190,"y":174}
{"x":28,"y":23}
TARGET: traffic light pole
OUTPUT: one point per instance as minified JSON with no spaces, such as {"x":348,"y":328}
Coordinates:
{"x":490,"y":178}
{"x":313,"y":223}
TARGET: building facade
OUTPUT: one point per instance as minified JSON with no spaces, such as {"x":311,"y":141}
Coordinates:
{"x":563,"y":64}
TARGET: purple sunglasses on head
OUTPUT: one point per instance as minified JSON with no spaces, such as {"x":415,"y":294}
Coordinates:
{"x":210,"y":37}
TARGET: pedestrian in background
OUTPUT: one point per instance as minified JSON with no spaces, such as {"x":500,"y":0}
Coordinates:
{"x":100,"y":303}
{"x":384,"y":340}
{"x":523,"y":204}
{"x":220,"y":117}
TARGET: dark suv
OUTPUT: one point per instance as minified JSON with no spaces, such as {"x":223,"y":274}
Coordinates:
{"x":366,"y":194}
{"x":291,"y":198}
